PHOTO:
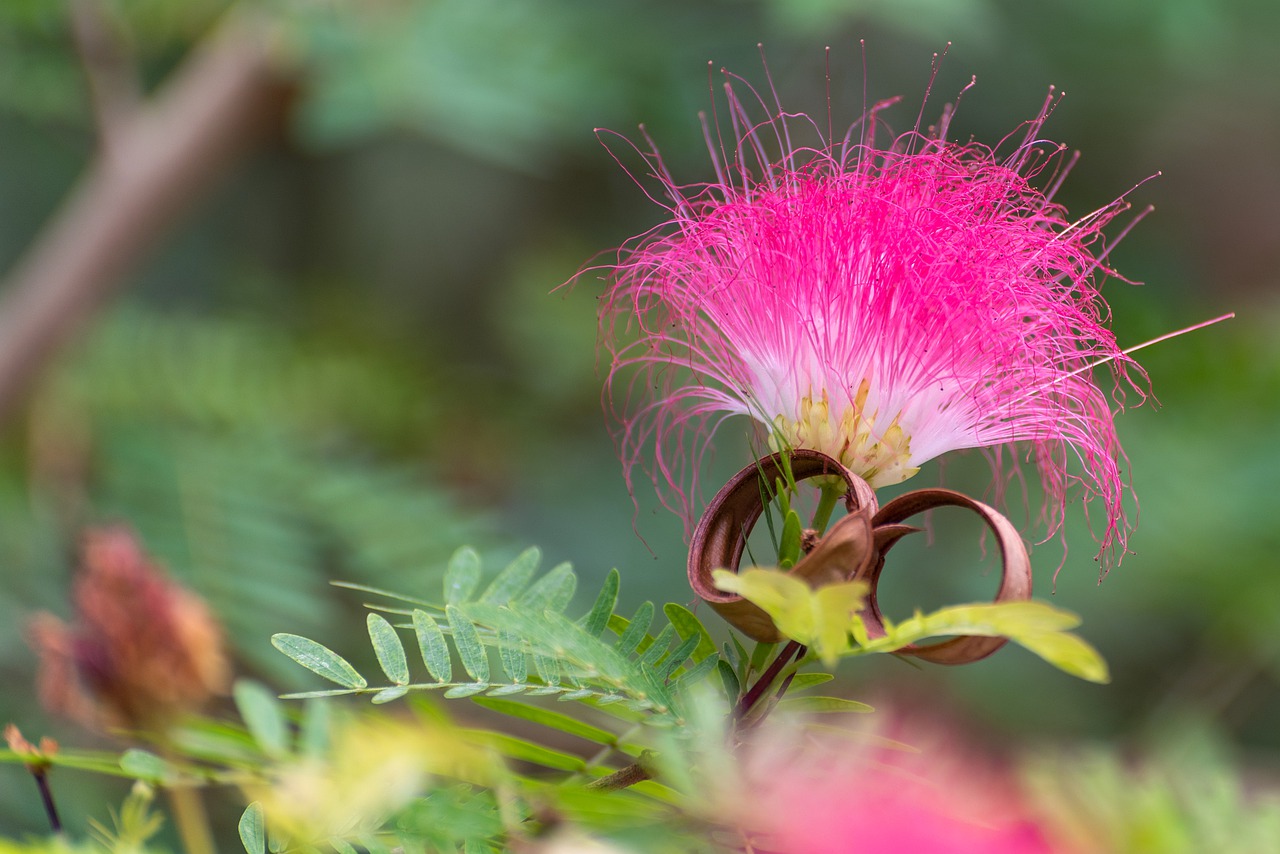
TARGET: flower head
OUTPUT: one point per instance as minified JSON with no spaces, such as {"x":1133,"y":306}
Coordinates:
{"x":897,"y":785}
{"x":143,"y":650}
{"x":881,"y":304}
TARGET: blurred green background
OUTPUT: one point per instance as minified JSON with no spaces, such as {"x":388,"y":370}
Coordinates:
{"x":350,"y":357}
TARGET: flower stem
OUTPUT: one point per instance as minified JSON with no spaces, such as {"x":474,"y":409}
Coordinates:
{"x":191,"y":820}
{"x":46,"y":797}
{"x":766,"y":680}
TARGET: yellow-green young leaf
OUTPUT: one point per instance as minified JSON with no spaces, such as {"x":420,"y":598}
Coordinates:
{"x":836,"y":607}
{"x":780,"y":595}
{"x":819,"y":618}
{"x":1015,"y":618}
{"x":1038,"y":626}
{"x":993,"y":619}
{"x":1069,"y":653}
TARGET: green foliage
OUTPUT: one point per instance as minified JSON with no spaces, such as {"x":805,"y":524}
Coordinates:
{"x":520,"y":616}
{"x":133,"y":825}
{"x":1185,"y":799}
{"x":244,"y":459}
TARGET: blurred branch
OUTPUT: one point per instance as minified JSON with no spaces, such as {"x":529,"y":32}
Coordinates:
{"x":171,"y":152}
{"x":110,"y":72}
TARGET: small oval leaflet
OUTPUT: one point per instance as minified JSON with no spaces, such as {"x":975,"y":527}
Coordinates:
{"x":263,"y":717}
{"x":432,"y":645}
{"x":144,"y":765}
{"x":253,"y":832}
{"x":386,"y":695}
{"x":461,"y":576}
{"x":319,"y":659}
{"x":389,"y":649}
{"x":475,"y":660}
{"x":515,"y":578}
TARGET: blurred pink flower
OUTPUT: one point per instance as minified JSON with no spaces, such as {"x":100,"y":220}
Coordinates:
{"x":883,"y":305}
{"x":844,"y":794}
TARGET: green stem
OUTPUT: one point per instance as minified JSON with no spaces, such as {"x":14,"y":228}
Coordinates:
{"x":831,"y":493}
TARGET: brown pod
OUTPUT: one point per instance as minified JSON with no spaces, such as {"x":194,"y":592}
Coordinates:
{"x":1015,"y":568}
{"x":854,"y":548}
{"x":847,"y":549}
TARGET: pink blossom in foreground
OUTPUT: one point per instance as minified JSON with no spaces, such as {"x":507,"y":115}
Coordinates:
{"x":846,"y":794}
{"x":883,"y":305}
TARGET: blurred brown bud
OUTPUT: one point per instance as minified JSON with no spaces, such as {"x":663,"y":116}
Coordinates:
{"x":142,"y":649}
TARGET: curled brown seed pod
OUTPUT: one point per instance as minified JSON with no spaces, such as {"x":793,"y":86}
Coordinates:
{"x":853,"y":549}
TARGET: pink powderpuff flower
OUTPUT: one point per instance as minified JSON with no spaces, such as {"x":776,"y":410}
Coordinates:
{"x":882,"y":789}
{"x":881,"y":304}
